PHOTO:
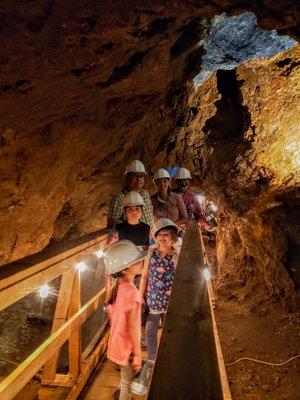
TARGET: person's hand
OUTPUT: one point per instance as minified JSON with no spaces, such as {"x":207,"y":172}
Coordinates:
{"x":137,"y":363}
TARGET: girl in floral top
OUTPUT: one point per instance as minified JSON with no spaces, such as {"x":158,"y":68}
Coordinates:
{"x":158,"y":278}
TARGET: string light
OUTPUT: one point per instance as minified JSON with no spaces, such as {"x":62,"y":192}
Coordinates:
{"x":44,"y":291}
{"x":99,"y":253}
{"x":81,"y":266}
{"x":213,"y":207}
{"x":206,"y":274}
{"x":201,"y":199}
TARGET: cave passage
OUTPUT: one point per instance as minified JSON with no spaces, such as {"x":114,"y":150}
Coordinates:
{"x":212,"y":87}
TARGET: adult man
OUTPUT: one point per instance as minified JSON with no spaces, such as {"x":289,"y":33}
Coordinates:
{"x":134,"y":181}
{"x":183,"y":180}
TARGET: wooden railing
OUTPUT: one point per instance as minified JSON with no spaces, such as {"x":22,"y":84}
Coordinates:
{"x":189,"y":364}
{"x":21,"y":278}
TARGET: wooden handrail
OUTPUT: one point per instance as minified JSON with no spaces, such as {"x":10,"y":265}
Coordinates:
{"x":25,"y":276}
{"x":11,"y":385}
{"x":189,"y":363}
{"x":21,"y":278}
{"x":16,"y":271}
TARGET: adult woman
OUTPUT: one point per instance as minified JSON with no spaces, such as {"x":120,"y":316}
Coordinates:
{"x":167,"y":204}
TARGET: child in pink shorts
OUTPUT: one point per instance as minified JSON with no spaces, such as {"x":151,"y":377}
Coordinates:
{"x":123,"y":260}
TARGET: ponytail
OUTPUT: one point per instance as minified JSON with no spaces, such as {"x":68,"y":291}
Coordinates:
{"x":114,"y":289}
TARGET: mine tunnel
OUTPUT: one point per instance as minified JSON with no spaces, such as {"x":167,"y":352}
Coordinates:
{"x":88,"y":87}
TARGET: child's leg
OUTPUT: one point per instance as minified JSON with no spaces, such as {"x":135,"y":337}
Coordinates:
{"x":151,"y":335}
{"x":127,"y":375}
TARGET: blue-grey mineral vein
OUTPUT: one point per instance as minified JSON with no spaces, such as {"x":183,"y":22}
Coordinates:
{"x":234,"y":40}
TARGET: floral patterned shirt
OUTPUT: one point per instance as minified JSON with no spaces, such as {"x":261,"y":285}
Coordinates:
{"x":160,"y":281}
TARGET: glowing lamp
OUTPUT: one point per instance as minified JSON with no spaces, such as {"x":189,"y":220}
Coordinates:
{"x":206,"y":274}
{"x":201,"y":199}
{"x":213,"y":207}
{"x":99,"y":253}
{"x":81,"y":266}
{"x":44,"y":291}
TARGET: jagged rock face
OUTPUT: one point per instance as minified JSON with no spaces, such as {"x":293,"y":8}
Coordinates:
{"x":87,"y":87}
{"x":243,"y":144}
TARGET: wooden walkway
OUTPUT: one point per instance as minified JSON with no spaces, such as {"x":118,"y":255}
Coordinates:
{"x":104,"y":382}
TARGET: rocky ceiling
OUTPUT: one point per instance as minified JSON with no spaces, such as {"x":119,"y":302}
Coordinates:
{"x":86,"y":86}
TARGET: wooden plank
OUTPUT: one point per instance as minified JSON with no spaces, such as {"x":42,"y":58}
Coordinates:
{"x":187,"y":364}
{"x":221,"y":363}
{"x":11,"y":385}
{"x":88,"y":367}
{"x":21,"y":269}
{"x":60,"y":317}
{"x":51,"y":393}
{"x":75,"y":339}
{"x":31,"y":284}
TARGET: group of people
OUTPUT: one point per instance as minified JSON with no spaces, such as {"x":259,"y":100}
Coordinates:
{"x":143,"y":243}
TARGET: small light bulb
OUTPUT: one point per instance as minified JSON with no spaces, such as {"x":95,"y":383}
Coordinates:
{"x":201,"y":199}
{"x":206,"y":273}
{"x":81,"y":266}
{"x":44,"y":291}
{"x":99,"y":253}
{"x":213,"y":207}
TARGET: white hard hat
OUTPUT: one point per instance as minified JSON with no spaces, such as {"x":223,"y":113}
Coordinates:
{"x":132,"y":199}
{"x":161,"y":174}
{"x":163,"y":223}
{"x":120,"y":255}
{"x":183,"y":173}
{"x":135,"y":166}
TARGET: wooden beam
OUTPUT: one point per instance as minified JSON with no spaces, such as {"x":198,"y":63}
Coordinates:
{"x":211,"y":295}
{"x":60,"y":317}
{"x":75,"y":339}
{"x":11,"y":385}
{"x":88,"y":366}
{"x":29,"y":285}
{"x":187,"y":365}
{"x":19,"y":270}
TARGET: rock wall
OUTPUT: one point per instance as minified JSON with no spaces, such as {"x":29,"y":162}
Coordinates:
{"x":87,"y":86}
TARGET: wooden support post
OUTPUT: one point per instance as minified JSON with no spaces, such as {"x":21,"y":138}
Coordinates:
{"x":75,"y":339}
{"x":60,"y":317}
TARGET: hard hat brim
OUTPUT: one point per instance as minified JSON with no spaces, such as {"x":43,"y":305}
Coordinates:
{"x":131,"y":205}
{"x":166,"y":226}
{"x":143,"y":254}
{"x":135,"y":172}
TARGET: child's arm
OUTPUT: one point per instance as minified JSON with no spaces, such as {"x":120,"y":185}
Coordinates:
{"x":144,"y":278}
{"x":135,"y":334}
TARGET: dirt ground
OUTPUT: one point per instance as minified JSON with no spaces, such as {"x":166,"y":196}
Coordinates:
{"x":273,"y":337}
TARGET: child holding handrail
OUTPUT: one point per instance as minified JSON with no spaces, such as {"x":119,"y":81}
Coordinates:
{"x":123,"y":260}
